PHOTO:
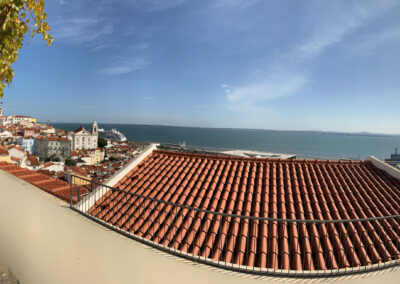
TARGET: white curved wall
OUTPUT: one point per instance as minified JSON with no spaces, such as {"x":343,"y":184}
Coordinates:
{"x":42,"y":241}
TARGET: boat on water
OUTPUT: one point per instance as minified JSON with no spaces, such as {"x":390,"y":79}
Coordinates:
{"x":113,"y":135}
{"x":394,"y":157}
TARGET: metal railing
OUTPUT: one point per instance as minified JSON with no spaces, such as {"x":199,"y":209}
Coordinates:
{"x":249,"y":243}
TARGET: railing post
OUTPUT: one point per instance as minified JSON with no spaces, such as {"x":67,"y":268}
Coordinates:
{"x":69,"y":180}
{"x":70,"y":194}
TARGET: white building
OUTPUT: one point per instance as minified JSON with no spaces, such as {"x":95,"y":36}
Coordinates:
{"x":84,"y":139}
{"x":17,"y":154}
{"x":5,"y":134}
{"x":27,"y":144}
{"x":54,"y":166}
{"x":16,"y":119}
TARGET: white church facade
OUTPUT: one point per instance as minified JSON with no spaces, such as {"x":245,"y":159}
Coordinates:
{"x":83,"y":138}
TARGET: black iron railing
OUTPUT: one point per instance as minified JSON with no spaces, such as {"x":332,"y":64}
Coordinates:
{"x":256,"y":242}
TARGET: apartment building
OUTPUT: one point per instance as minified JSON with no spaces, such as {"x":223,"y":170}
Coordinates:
{"x":27,"y":144}
{"x":46,"y":147}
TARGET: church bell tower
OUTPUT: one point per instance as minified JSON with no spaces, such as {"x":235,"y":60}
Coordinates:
{"x":95,"y":128}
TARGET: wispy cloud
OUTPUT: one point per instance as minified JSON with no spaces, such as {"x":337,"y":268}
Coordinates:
{"x":289,"y":72}
{"x":140,"y":46}
{"x":274,"y":86}
{"x":124,"y":66}
{"x":81,"y":30}
{"x":234,"y":3}
{"x":157,"y":5}
{"x":369,"y":44}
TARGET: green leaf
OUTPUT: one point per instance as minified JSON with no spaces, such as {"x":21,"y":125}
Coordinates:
{"x":14,"y":24}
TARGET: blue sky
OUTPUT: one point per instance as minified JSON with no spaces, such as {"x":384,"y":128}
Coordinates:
{"x":294,"y":65}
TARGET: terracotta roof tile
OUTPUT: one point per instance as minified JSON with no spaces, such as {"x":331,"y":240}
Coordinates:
{"x":15,"y":159}
{"x":3,"y":151}
{"x":33,"y":160}
{"x":284,"y":189}
{"x":51,"y":138}
{"x":56,"y":187}
{"x":78,"y":170}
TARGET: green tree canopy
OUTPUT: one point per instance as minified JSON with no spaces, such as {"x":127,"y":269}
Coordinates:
{"x":102,"y":142}
{"x":69,"y":162}
{"x":17,"y":17}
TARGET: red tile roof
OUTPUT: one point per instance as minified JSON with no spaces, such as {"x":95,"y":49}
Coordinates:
{"x":56,"y":187}
{"x":284,"y":189}
{"x":82,"y":129}
{"x":53,"y":138}
{"x":78,"y":170}
{"x":3,"y":151}
{"x":33,"y":161}
{"x":48,"y":164}
{"x":15,"y":159}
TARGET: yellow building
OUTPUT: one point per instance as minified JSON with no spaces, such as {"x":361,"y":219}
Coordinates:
{"x":4,"y":155}
{"x":96,"y":155}
{"x":79,"y":176}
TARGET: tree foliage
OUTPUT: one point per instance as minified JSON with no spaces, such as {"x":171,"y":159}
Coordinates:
{"x":17,"y":17}
{"x":70,"y":162}
{"x":53,"y":158}
{"x":102,"y":142}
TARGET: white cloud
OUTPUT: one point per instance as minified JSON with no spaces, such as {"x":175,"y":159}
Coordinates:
{"x":234,"y":3}
{"x":289,"y":73}
{"x":274,"y":86}
{"x":157,"y":5}
{"x":368,"y":44}
{"x":81,"y":30}
{"x":126,"y":66}
{"x":140,"y":46}
{"x":330,"y":33}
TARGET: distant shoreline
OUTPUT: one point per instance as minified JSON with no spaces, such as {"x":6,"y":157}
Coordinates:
{"x":304,"y":144}
{"x":366,"y":134}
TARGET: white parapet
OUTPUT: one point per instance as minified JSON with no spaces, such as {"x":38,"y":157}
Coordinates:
{"x":384,"y":166}
{"x":87,"y":202}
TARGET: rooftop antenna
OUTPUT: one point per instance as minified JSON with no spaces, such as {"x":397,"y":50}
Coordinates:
{"x":396,"y":150}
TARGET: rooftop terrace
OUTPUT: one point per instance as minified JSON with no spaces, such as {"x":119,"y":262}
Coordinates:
{"x":262,"y":214}
{"x":266,"y":218}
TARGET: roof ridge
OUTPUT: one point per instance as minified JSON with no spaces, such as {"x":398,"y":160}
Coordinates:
{"x":236,"y":158}
{"x":54,"y":185}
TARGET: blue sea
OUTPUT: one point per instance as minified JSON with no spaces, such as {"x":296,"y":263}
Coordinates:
{"x":304,"y":144}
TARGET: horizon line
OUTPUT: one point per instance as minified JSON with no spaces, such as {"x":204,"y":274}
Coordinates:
{"x":360,"y":133}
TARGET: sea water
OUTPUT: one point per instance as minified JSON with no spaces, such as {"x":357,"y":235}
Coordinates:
{"x":304,"y":144}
